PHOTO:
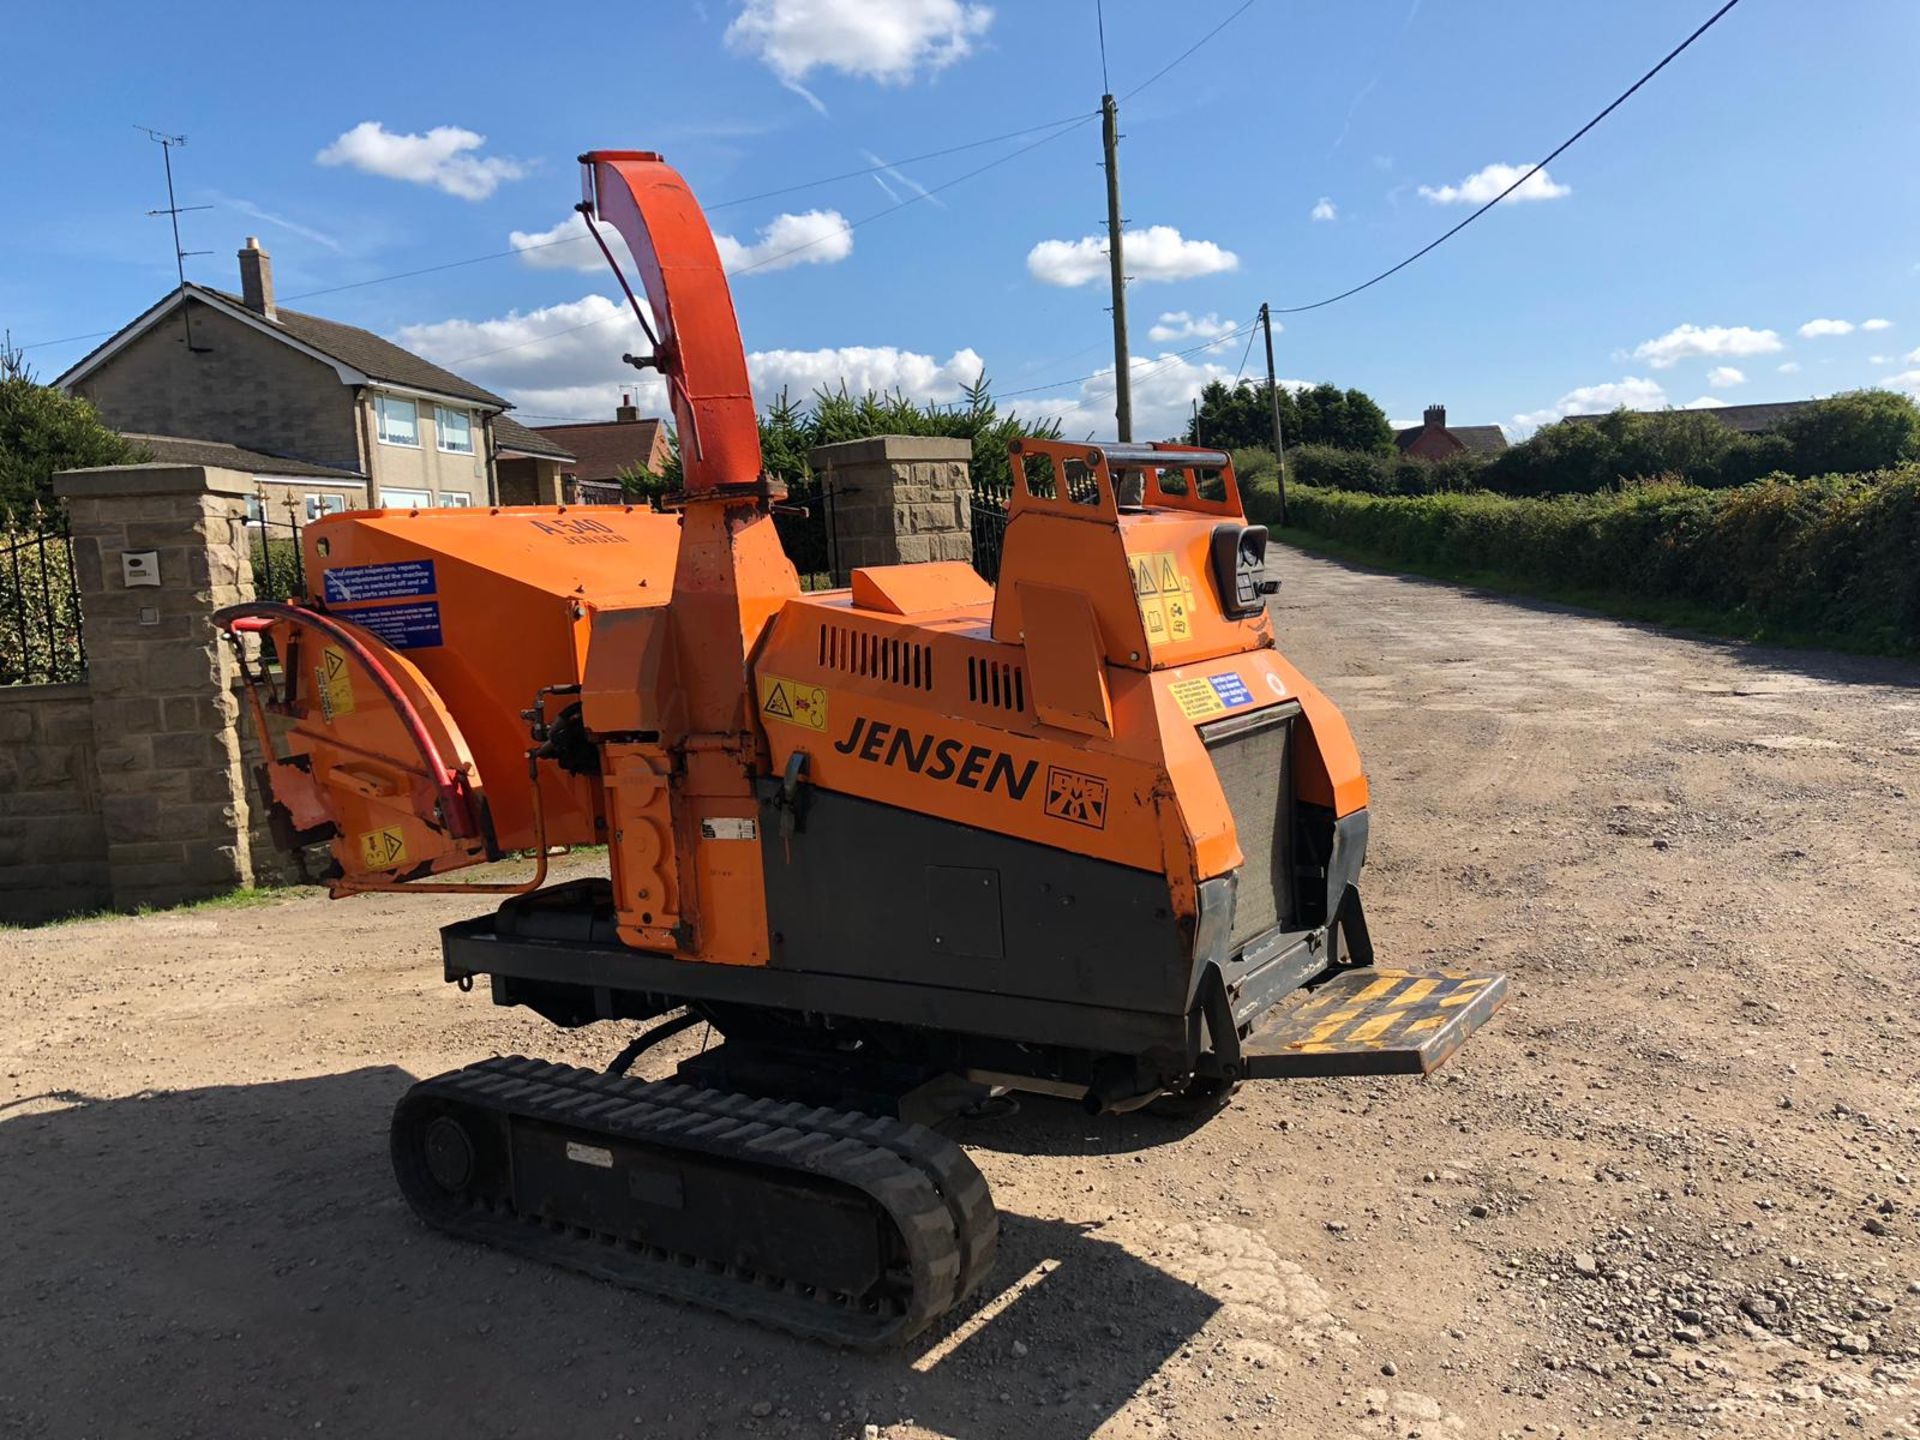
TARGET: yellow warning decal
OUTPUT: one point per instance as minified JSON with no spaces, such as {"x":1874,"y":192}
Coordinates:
{"x":1165,"y":597}
{"x":383,"y":849}
{"x":793,"y":701}
{"x":334,"y":680}
{"x":1197,"y":699}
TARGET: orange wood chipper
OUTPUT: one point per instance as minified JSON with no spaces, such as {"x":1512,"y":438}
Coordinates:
{"x":902,"y":846}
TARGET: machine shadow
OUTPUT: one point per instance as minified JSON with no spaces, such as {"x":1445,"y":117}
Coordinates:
{"x":236,"y":1259}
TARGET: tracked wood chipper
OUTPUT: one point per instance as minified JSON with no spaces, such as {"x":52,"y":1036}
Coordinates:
{"x":903,"y":845}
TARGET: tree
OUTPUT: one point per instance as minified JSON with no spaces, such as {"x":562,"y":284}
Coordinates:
{"x":1860,"y":430}
{"x":41,"y":431}
{"x":1239,"y":415}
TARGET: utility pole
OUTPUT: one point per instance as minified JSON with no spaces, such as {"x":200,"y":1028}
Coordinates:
{"x":1273,"y":400}
{"x":173,"y":212}
{"x":1116,"y":262}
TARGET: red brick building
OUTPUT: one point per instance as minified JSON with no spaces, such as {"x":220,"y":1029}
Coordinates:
{"x":1435,"y":440}
{"x":602,"y":449}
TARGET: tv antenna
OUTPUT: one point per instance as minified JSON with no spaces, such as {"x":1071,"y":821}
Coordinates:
{"x":173,"y":212}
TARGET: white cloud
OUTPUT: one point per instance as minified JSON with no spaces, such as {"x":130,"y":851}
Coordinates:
{"x":1705,"y":402}
{"x":439,"y":158}
{"x":1489,"y":181}
{"x":890,"y":41}
{"x":1634,"y":392}
{"x":1876,"y":324}
{"x":1814,"y":329}
{"x":1157,"y":253}
{"x":1685,"y":341}
{"x":1790,"y":367}
{"x":1179,"y":325}
{"x":816,"y":237}
{"x":567,"y":246}
{"x":1880,"y":359}
{"x":1907,"y":380}
{"x":1164,"y":389}
{"x":1725,"y":377}
{"x":1324,"y":209}
{"x":564,"y":361}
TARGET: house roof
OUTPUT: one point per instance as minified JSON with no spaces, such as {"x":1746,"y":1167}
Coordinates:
{"x":358,"y":350}
{"x":510,"y":434}
{"x":178,"y":450}
{"x":1478,"y":439}
{"x":604,"y":448}
{"x":1747,"y":419}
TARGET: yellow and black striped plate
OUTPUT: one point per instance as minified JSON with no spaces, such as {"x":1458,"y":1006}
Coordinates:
{"x":1374,"y":1022}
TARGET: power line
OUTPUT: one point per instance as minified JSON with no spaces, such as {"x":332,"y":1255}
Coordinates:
{"x":1559,"y":150}
{"x":1243,"y":358}
{"x":1188,"y":51}
{"x":1100,"y":19}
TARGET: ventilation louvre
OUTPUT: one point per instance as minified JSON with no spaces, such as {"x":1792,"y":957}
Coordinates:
{"x":876,"y":657}
{"x":1000,"y":684}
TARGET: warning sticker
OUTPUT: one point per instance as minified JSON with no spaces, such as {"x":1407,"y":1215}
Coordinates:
{"x":334,"y":682}
{"x":1165,"y":597}
{"x":383,"y":849}
{"x":793,"y":701}
{"x":1231,"y":689}
{"x":1074,"y":796}
{"x":1197,"y":699}
{"x":404,"y":627}
{"x":345,"y":584}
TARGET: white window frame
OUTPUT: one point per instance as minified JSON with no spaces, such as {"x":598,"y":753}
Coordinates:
{"x":416,"y":499}
{"x":324,"y":502}
{"x":441,"y":414}
{"x":380,"y":403}
{"x":455,"y":499}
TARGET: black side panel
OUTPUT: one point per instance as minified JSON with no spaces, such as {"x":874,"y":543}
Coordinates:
{"x":863,"y":889}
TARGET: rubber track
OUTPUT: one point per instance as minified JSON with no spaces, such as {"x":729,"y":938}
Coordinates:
{"x":927,"y":1188}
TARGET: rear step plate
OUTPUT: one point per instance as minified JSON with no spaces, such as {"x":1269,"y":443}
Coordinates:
{"x":1373,"y":1022}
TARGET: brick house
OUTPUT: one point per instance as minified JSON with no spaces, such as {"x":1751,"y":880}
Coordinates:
{"x":298,"y":394}
{"x":1434,"y":439}
{"x":604,"y":449}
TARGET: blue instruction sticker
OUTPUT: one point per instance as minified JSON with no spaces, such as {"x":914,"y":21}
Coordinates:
{"x":1231,"y":689}
{"x":404,"y":627}
{"x":347,"y":583}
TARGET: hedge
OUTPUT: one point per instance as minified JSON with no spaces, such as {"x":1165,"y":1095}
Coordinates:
{"x":1836,"y":558}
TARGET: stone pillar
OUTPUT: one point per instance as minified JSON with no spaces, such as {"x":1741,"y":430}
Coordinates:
{"x":173,"y":793}
{"x":897,"y":499}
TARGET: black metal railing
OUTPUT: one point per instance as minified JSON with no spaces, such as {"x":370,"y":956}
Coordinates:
{"x":273,"y":534}
{"x":40,"y":636}
{"x":989,"y":507}
{"x":805,"y":524}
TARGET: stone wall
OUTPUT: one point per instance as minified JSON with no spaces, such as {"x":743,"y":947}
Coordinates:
{"x":53,"y":844}
{"x":160,"y":678}
{"x":898,"y":499}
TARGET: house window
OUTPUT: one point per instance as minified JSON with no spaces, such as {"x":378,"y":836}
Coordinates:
{"x":256,"y":510}
{"x":393,"y":499}
{"x":318,"y":505}
{"x":455,"y":498}
{"x":399,"y":420}
{"x":456,"y":430}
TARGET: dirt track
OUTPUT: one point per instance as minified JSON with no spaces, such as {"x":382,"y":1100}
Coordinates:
{"x":1667,"y":1191}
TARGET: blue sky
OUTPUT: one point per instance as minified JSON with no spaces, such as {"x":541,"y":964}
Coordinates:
{"x":1682,"y":252}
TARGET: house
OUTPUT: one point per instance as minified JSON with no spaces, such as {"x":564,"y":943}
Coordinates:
{"x":297,"y":393}
{"x":604,"y":449}
{"x":1747,"y":419}
{"x":1435,"y":440}
{"x":528,"y":466}
{"x":291,"y":491}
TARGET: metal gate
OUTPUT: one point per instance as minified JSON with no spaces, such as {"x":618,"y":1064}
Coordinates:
{"x":40,"y":636}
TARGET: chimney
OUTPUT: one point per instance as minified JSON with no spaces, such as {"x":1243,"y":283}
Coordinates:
{"x":626,"y":411}
{"x":1436,"y":417}
{"x":256,"y":278}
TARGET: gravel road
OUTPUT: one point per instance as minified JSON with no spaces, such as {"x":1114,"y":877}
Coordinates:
{"x":1668,"y":1191}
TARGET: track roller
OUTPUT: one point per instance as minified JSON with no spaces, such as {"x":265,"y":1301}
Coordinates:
{"x":830,"y":1224}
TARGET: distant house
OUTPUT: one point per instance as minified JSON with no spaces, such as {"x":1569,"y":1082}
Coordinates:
{"x":290,"y":490}
{"x":297,"y":397}
{"x":1436,"y":440}
{"x":605,"y":449}
{"x":529,"y":469}
{"x":1747,"y":419}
